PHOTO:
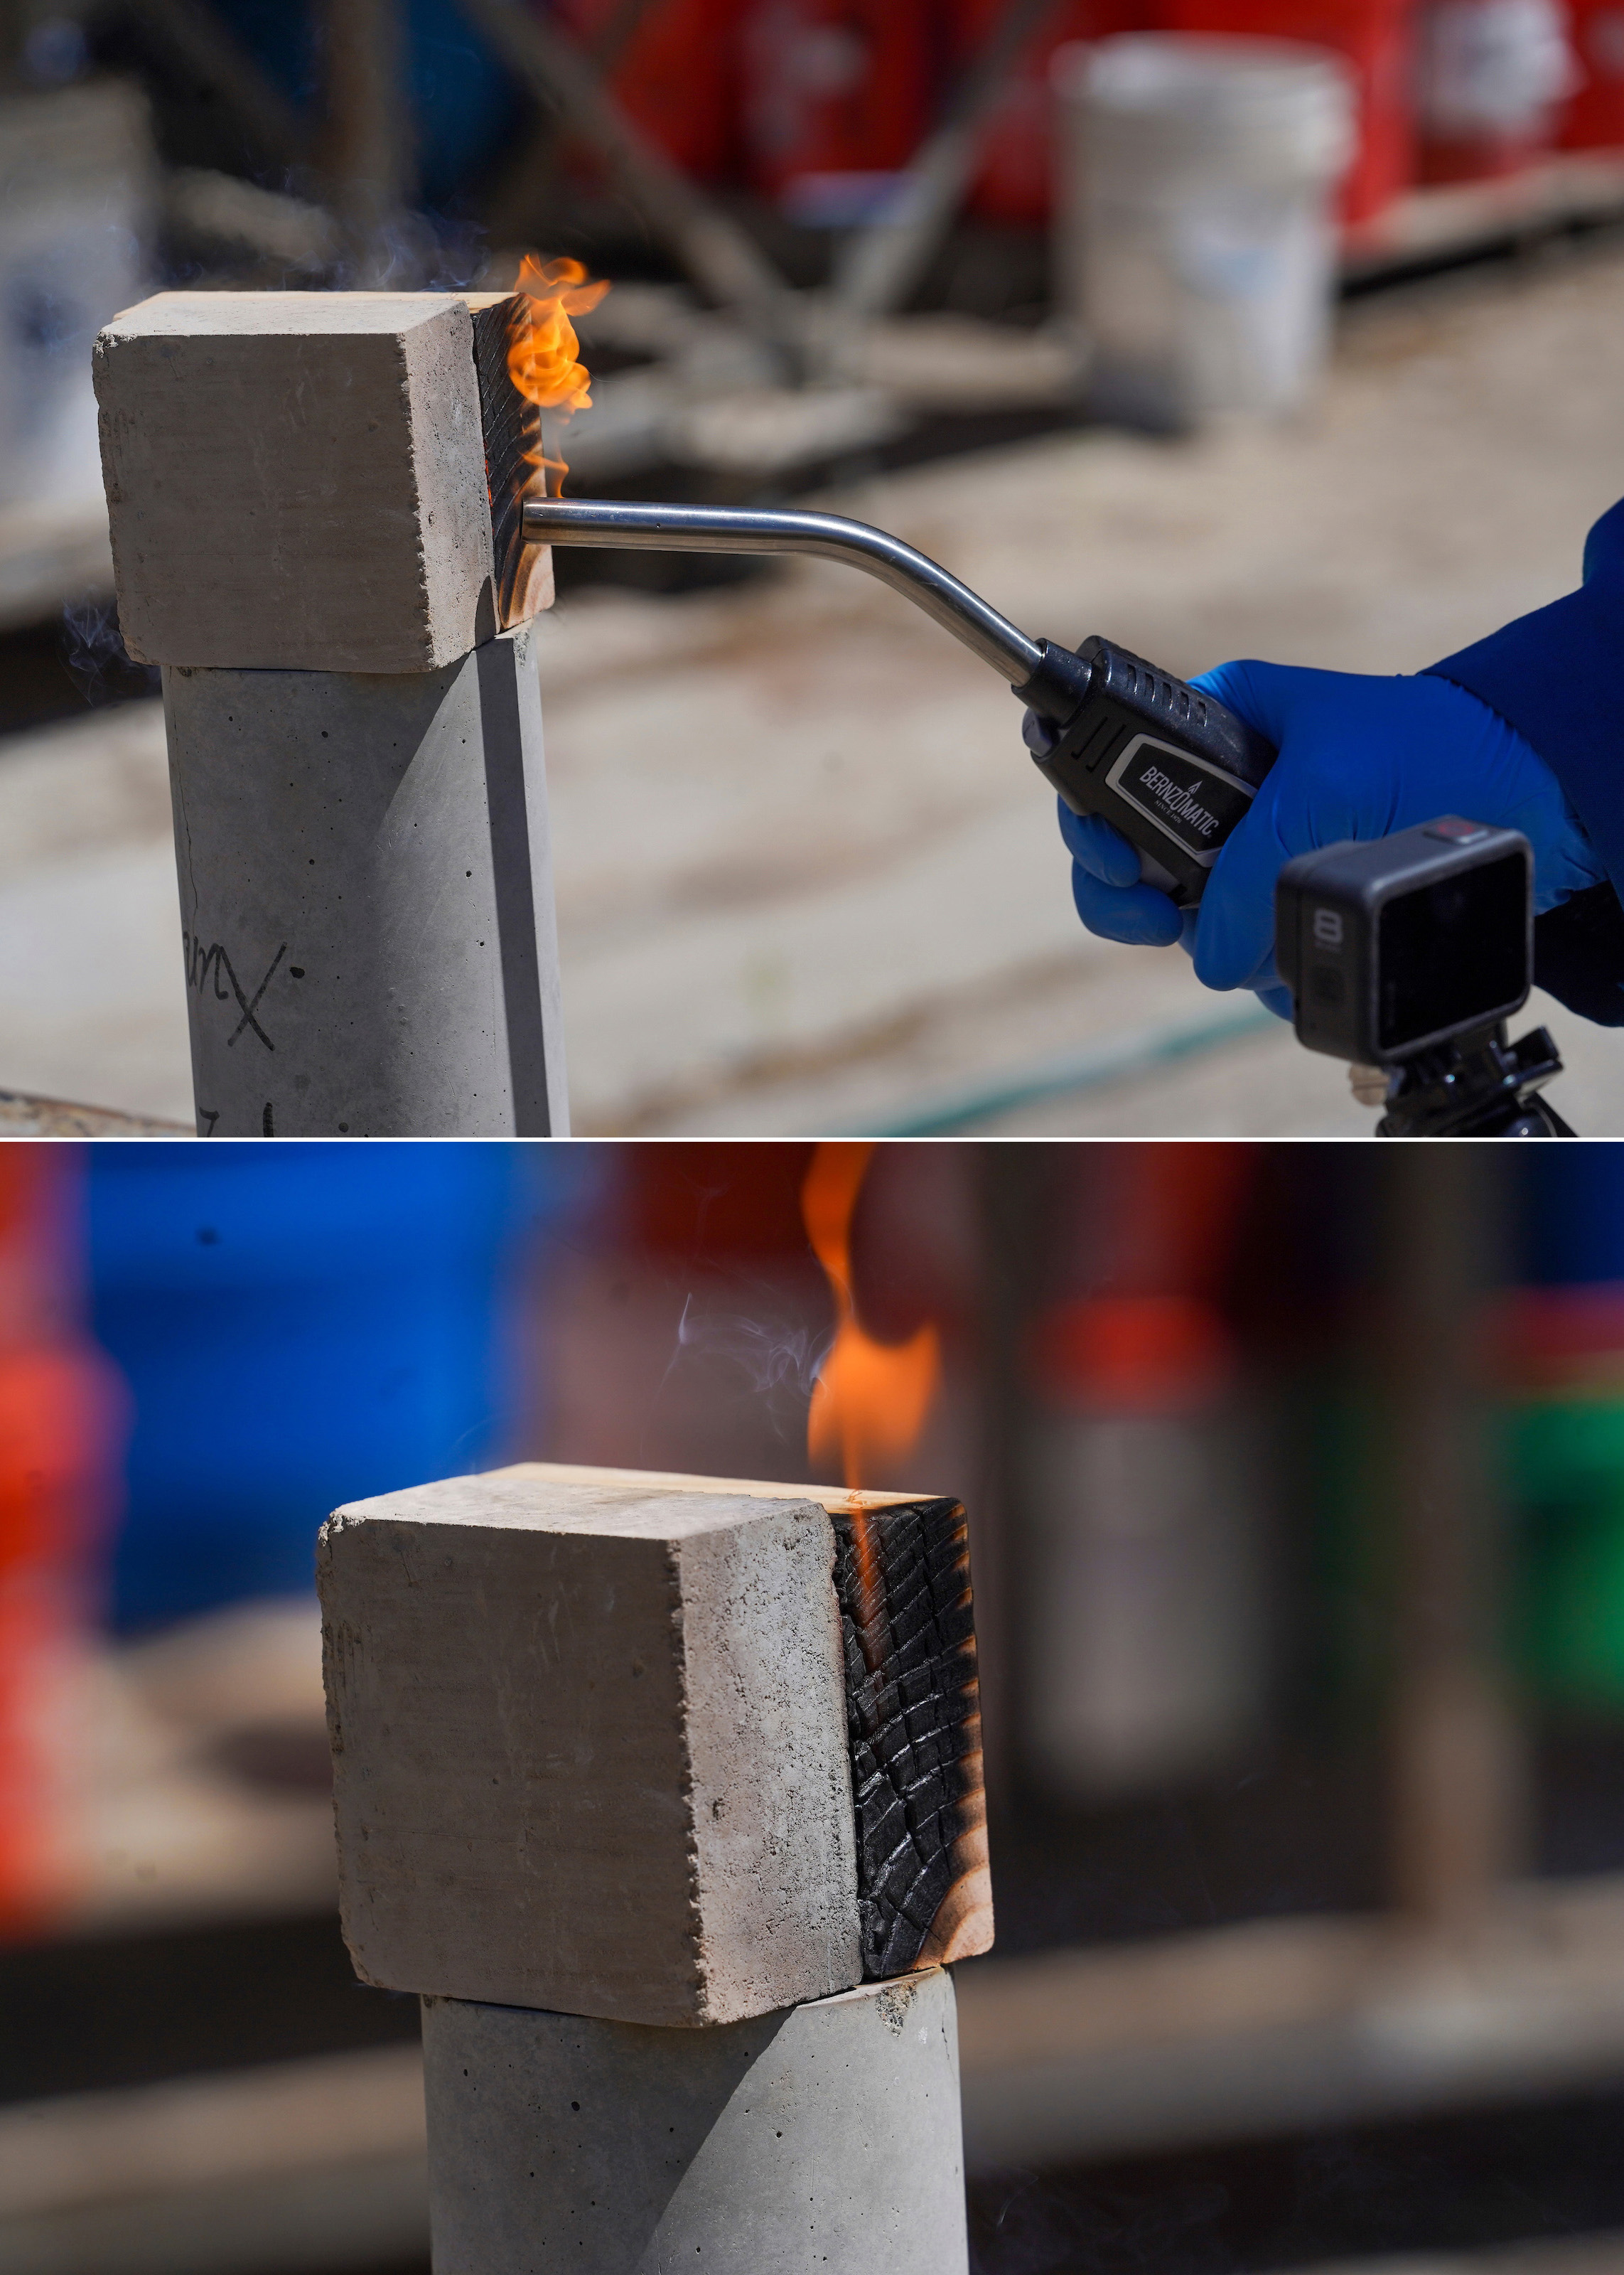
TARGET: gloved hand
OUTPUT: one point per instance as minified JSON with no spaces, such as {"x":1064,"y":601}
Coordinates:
{"x":1359,"y":757}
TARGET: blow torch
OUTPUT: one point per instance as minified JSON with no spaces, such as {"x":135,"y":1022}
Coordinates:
{"x":1165,"y":764}
{"x":1405,"y":953}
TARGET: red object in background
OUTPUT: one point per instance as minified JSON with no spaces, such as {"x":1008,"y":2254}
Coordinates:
{"x":1132,"y":1355}
{"x":832,"y":86}
{"x":1568,"y":1339}
{"x":705,"y":1202}
{"x":736,"y":1210}
{"x":673,"y":77}
{"x":1375,"y":38}
{"x":1493,"y":77}
{"x":61,"y":1429}
{"x":1014,"y":183}
{"x":1147,"y":1334}
{"x":1477,"y":158}
{"x":1593,"y":118}
{"x":1167,"y":1218}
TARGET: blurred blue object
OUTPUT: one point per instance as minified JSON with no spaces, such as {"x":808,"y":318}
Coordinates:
{"x":1572,"y":1214}
{"x":280,"y":35}
{"x":301,"y":1325}
{"x":464,"y":106}
{"x":467,"y":108}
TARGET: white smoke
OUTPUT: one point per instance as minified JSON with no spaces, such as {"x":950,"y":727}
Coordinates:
{"x":776,"y":1360}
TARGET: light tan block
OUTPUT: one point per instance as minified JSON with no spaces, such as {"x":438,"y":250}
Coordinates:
{"x":296,"y":481}
{"x":590,"y":1747}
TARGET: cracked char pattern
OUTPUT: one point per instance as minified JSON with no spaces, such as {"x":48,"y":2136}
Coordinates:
{"x":901,"y":1575}
{"x":513,"y":449}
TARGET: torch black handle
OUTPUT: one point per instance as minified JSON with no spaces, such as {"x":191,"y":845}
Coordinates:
{"x":1168,"y":766}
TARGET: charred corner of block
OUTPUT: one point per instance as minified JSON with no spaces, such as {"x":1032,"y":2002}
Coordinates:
{"x":913,"y":1719}
{"x":513,"y":468}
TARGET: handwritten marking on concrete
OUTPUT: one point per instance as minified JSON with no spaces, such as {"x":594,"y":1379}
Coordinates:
{"x":202,"y":962}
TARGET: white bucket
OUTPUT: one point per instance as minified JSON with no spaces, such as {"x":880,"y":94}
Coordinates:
{"x":1196,"y":243}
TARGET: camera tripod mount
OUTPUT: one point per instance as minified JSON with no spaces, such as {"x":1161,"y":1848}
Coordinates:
{"x":1475,"y":1085}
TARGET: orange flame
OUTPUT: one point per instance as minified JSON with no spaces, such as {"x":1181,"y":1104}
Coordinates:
{"x":870,"y":1398}
{"x":543,"y":353}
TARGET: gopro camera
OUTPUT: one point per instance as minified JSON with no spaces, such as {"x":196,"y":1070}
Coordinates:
{"x":1406,"y":955}
{"x":1403,"y":942}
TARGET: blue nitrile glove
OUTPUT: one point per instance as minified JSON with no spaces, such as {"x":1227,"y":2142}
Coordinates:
{"x":1359,"y":757}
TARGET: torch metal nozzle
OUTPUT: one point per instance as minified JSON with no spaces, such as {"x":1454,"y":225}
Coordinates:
{"x":757,"y":529}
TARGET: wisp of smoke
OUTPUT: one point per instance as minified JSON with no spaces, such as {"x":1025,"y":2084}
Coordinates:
{"x":778,"y":1359}
{"x":412,"y":253}
{"x":93,"y":649}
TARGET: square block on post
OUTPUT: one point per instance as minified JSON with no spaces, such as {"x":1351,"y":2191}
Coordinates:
{"x":589,"y":1744}
{"x":913,"y":1708}
{"x":297,"y":480}
{"x":655,"y":1748}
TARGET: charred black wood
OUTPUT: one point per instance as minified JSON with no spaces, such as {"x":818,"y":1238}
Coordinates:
{"x":513,"y":463}
{"x":902,"y":1577}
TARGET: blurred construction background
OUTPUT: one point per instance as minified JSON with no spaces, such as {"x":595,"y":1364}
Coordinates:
{"x":1052,"y":319}
{"x":1294,"y":1476}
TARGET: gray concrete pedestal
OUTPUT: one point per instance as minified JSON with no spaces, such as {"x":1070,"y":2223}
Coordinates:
{"x":821,"y":2140}
{"x":367,"y":899}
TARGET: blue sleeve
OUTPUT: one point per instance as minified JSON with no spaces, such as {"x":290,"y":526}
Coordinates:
{"x":1550,"y":675}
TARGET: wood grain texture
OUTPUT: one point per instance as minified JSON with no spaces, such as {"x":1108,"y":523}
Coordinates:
{"x":513,"y":468}
{"x":902,"y":1579}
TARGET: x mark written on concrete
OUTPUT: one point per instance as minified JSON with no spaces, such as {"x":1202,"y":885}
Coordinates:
{"x":202,"y":961}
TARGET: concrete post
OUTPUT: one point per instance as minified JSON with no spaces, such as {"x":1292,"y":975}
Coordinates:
{"x":367,"y":899}
{"x":664,"y":1794}
{"x":312,"y":499}
{"x":826,"y":2137}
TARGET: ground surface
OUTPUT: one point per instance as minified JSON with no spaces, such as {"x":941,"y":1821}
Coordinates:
{"x":806,"y":880}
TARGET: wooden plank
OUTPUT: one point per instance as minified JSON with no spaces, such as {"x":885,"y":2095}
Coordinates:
{"x":1456,"y":219}
{"x":1274,"y":2027}
{"x":721,"y":257}
{"x":303,"y":2164}
{"x":21,"y":1116}
{"x":514,"y":470}
{"x":265,"y":2122}
{"x":1601,"y":2253}
{"x":901,"y":1575}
